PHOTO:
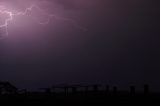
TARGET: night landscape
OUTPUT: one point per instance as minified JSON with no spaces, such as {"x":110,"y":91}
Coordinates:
{"x":79,"y":52}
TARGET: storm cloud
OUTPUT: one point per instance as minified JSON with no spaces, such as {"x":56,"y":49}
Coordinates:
{"x":117,"y":47}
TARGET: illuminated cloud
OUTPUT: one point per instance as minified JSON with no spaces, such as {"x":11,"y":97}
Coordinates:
{"x":39,"y":11}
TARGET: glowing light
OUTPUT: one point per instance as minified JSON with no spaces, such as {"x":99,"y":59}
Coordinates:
{"x":11,"y":15}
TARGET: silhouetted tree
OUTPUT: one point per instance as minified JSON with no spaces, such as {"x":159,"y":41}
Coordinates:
{"x":107,"y":89}
{"x":132,"y":90}
{"x":95,"y":88}
{"x":7,"y":88}
{"x":146,"y":89}
{"x":115,"y":90}
{"x":74,"y":89}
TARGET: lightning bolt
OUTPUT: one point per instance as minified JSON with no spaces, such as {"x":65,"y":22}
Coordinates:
{"x":11,"y":15}
{"x":5,"y":25}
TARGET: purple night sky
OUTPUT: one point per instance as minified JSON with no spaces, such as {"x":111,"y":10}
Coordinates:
{"x":80,"y":41}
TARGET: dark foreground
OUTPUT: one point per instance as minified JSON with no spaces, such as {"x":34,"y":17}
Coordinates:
{"x":76,"y":95}
{"x":79,"y":99}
